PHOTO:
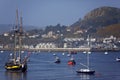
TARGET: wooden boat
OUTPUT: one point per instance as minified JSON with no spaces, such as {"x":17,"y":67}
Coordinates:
{"x":16,"y":62}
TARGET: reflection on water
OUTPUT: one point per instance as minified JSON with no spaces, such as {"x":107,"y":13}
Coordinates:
{"x":85,"y":76}
{"x":15,"y":75}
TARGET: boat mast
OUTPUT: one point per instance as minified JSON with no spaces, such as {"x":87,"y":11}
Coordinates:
{"x":88,"y":60}
{"x":20,"y":37}
{"x":88,"y":53}
{"x":15,"y":36}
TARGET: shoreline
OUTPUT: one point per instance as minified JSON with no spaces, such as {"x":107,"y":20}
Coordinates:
{"x":63,"y":49}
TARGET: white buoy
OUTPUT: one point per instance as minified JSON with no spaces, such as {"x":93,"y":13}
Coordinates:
{"x":63,"y":54}
{"x":54,"y":54}
{"x":84,"y":52}
{"x":106,"y":53}
{"x":89,"y":52}
{"x":1,"y":51}
{"x":68,"y":55}
{"x":10,"y":54}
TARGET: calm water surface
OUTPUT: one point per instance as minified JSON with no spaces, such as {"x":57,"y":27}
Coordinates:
{"x":42,"y":67}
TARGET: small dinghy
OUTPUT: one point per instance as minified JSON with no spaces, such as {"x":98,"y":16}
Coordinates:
{"x":71,"y":61}
{"x":57,"y":59}
{"x":118,"y":59}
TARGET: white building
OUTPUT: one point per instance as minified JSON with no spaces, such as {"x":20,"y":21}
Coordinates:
{"x":33,"y":36}
{"x":73,"y":39}
{"x":65,"y":45}
{"x":109,"y":40}
{"x":45,"y":45}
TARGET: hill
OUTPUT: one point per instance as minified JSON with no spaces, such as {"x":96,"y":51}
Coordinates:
{"x":99,"y":18}
{"x":103,"y":21}
{"x":109,"y":30}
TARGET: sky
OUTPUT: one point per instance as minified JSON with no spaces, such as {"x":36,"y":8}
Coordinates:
{"x":42,"y":13}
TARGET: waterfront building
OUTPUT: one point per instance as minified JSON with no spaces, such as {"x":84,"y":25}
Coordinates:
{"x":45,"y":45}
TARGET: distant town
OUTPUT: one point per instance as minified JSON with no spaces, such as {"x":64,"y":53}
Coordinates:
{"x":87,"y":43}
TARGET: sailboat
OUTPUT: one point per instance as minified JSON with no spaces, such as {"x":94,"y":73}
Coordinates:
{"x":86,"y":70}
{"x":16,"y":63}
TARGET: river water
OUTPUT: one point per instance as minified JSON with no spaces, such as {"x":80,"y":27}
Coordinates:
{"x":41,"y":66}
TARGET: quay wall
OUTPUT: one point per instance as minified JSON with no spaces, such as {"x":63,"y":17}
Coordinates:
{"x":62,"y":49}
{"x":51,"y":49}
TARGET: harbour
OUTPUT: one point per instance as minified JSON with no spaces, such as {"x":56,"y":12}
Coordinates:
{"x":59,"y":40}
{"x":105,"y":66}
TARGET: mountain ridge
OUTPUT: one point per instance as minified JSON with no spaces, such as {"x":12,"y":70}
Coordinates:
{"x":91,"y":23}
{"x":99,"y":18}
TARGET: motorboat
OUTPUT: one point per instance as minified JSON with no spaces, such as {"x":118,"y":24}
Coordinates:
{"x":71,"y":61}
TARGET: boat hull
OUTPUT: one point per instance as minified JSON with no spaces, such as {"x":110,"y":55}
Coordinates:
{"x":85,"y":71}
{"x":71,"y":62}
{"x":118,"y":59}
{"x":16,"y":67}
{"x":58,"y":61}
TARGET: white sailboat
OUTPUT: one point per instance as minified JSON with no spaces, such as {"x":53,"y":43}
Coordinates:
{"x":86,"y":70}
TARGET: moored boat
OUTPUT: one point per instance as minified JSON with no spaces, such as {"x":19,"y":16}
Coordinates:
{"x":16,"y":62}
{"x":57,"y":59}
{"x":11,"y":66}
{"x":118,"y":59}
{"x":86,"y":70}
{"x":71,"y":61}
